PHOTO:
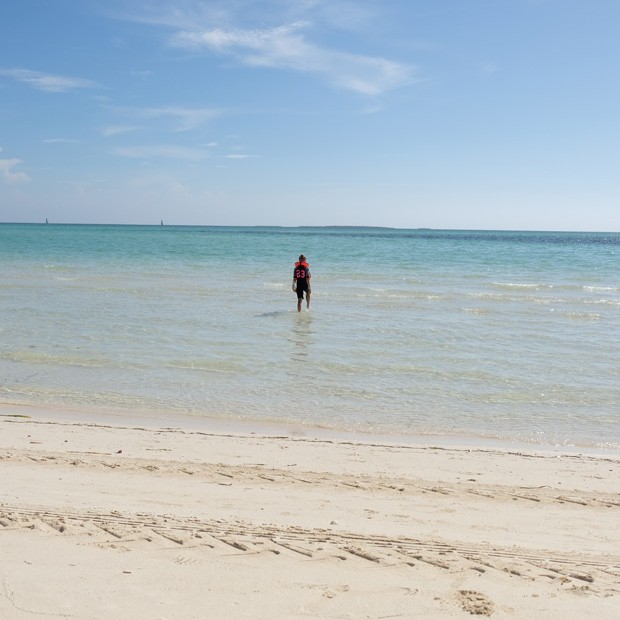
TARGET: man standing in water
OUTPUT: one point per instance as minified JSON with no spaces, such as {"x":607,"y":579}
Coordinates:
{"x":301,"y":281}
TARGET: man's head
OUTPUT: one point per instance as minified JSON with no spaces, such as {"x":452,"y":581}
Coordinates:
{"x":302,"y":258}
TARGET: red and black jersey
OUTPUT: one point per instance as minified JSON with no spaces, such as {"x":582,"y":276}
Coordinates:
{"x":301,"y":273}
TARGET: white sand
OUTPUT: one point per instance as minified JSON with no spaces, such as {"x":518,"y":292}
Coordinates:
{"x":136,"y":522}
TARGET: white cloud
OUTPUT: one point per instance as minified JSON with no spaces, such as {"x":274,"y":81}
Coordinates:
{"x":8,"y":174}
{"x":225,"y":27}
{"x":169,"y":13}
{"x":188,"y":118}
{"x":185,"y":119}
{"x":167,"y":151}
{"x":348,"y":15}
{"x":285,"y":47}
{"x":59,"y":140}
{"x":240,"y":156}
{"x":143,"y":75}
{"x":47,"y":82}
{"x":117,"y":129}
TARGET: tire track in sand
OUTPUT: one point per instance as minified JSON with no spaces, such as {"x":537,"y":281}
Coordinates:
{"x":596,"y":575}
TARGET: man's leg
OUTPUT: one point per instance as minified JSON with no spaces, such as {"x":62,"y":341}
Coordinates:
{"x":299,"y":303}
{"x":308,"y":299}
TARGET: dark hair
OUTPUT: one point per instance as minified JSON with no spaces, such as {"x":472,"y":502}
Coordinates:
{"x":302,"y":257}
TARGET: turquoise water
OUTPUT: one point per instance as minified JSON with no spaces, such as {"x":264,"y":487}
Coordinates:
{"x":507,"y":335}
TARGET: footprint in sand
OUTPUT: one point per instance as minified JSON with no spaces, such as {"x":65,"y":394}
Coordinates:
{"x":475,"y":603}
{"x":184,"y":560}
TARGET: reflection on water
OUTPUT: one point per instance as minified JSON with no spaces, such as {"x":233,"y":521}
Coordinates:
{"x":302,"y":336}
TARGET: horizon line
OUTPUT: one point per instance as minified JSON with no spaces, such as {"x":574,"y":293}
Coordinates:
{"x":310,"y":226}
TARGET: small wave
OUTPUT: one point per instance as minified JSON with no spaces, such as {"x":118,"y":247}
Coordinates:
{"x":601,"y":289}
{"x":49,"y":267}
{"x":516,"y":297}
{"x":376,"y":294}
{"x":76,"y":360}
{"x":206,"y":366}
{"x":476,"y":310}
{"x":581,"y":316}
{"x":522,"y":286}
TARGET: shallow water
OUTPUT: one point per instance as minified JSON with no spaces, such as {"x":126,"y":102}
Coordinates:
{"x":509,"y":335}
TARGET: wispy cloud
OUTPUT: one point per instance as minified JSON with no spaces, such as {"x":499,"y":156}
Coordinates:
{"x":283,"y":35}
{"x":165,"y":151}
{"x":143,"y":75}
{"x":240,"y":156}
{"x":286,"y":47}
{"x":60,"y":141}
{"x":178,"y":14}
{"x":187,"y":118}
{"x":47,"y":82}
{"x":115,"y":130}
{"x":8,"y":174}
{"x":351,"y":15}
{"x":184,"y":119}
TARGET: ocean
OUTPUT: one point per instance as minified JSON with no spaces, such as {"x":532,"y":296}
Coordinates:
{"x":478,"y":335}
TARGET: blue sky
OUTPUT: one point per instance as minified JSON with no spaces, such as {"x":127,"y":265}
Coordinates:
{"x":484,"y":114}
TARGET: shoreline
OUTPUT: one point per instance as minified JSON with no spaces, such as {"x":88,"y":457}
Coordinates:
{"x":220,"y":425}
{"x":102,"y":520}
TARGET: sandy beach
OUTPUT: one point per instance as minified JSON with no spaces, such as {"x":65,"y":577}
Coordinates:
{"x":138,"y":521}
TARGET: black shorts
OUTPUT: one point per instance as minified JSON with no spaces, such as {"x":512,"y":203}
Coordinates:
{"x":301,"y":287}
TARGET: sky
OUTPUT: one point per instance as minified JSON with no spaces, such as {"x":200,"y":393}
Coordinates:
{"x":466,"y":114}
